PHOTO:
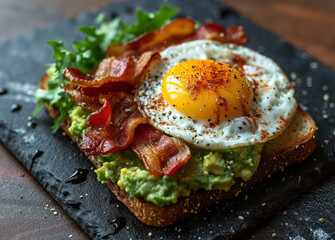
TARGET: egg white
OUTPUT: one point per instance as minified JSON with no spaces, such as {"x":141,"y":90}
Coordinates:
{"x":270,"y":113}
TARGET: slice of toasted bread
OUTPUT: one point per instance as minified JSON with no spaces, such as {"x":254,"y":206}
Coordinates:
{"x":294,"y":145}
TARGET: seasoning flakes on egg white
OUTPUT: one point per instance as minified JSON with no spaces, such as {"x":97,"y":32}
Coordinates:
{"x":216,"y":96}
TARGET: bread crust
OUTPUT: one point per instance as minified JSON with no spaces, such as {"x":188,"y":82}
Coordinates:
{"x":273,"y":159}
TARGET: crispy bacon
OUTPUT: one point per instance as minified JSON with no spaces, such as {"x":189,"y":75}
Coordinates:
{"x":88,"y":98}
{"x":106,"y":88}
{"x":236,"y":34}
{"x":90,"y":103}
{"x":178,"y":31}
{"x":89,"y":91}
{"x":126,"y":70}
{"x":212,"y":31}
{"x":118,"y":133}
{"x":100,"y":118}
{"x":173,"y":32}
{"x":112,"y":128}
{"x":161,"y":154}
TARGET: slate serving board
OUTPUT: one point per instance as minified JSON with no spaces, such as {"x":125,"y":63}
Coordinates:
{"x":21,"y":67}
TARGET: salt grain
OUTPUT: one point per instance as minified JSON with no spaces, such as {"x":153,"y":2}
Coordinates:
{"x":309,"y":81}
{"x":314,"y":65}
{"x":293,"y":75}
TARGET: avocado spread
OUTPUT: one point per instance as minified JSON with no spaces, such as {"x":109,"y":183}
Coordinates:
{"x":78,"y":117}
{"x":206,"y":169}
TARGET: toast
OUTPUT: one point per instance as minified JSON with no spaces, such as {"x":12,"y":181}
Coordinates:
{"x":294,"y":145}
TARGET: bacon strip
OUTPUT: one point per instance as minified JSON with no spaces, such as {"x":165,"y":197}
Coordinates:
{"x":173,"y":32}
{"x":126,"y":70}
{"x":102,"y":138}
{"x":212,"y":31}
{"x":112,"y":128}
{"x":161,"y":154}
{"x":178,"y":31}
{"x":236,"y":34}
{"x":106,"y":89}
{"x":90,"y":103}
{"x":88,"y":98}
{"x":100,"y":118}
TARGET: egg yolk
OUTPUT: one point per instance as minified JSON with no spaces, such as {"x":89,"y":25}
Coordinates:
{"x":207,"y":90}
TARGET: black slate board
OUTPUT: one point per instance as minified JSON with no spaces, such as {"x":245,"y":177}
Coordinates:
{"x":21,"y":67}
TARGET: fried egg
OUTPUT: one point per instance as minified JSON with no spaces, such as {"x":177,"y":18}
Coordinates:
{"x":216,"y":96}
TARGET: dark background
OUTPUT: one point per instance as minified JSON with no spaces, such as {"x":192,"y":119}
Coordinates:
{"x":25,"y":208}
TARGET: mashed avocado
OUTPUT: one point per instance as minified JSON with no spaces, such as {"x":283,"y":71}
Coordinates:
{"x":205,"y":170}
{"x":208,"y":170}
{"x":78,"y":117}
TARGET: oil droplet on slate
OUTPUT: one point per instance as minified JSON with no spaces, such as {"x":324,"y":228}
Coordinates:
{"x":31,"y":124}
{"x":113,"y":15}
{"x":129,"y":10}
{"x":116,"y":224}
{"x":3,"y":91}
{"x":15,"y":107}
{"x":225,"y":12}
{"x":36,"y":155}
{"x":79,"y":176}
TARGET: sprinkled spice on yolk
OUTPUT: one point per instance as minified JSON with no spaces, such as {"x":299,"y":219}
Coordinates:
{"x":207,"y":90}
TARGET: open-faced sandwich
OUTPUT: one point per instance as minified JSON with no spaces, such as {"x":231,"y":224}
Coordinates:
{"x":175,"y":115}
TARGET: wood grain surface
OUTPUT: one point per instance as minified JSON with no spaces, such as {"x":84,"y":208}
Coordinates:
{"x":307,"y":24}
{"x":26,"y":210}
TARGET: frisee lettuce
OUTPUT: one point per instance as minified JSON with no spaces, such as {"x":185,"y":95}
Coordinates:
{"x":89,"y":52}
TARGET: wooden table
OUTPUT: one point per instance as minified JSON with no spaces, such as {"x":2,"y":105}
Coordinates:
{"x":26,"y":209}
